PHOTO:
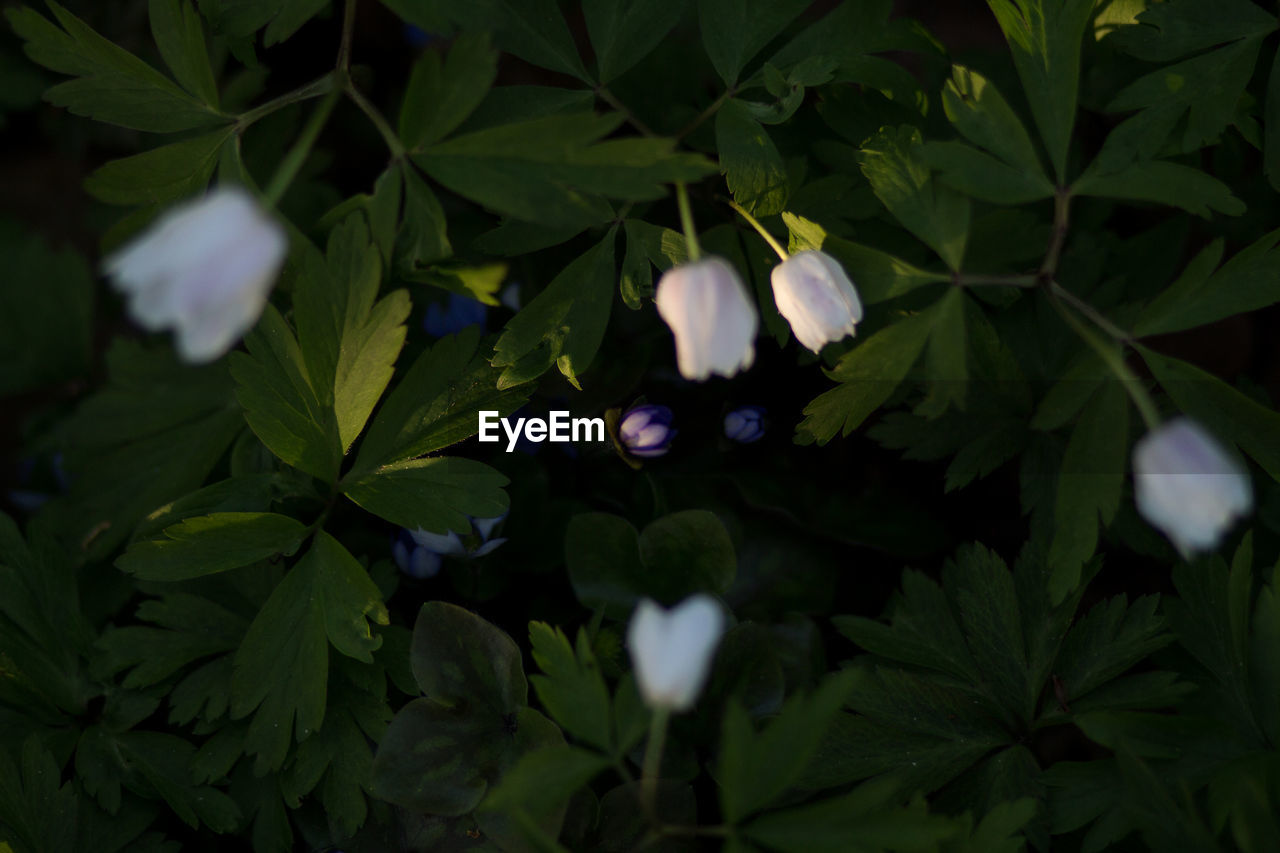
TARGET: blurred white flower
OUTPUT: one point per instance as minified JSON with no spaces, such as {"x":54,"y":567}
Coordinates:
{"x":204,"y":269}
{"x":672,"y":650}
{"x":714,"y":321}
{"x":1187,"y":485}
{"x":815,"y":295}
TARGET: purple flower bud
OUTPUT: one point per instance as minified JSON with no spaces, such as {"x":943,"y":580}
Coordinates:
{"x":416,"y":561}
{"x":646,"y":430}
{"x":745,"y":424}
{"x":420,"y":553}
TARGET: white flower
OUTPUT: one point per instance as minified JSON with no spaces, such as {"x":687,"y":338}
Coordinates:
{"x":672,"y":650}
{"x":713,"y":320}
{"x":816,"y":296}
{"x":1187,"y":486}
{"x":204,"y":269}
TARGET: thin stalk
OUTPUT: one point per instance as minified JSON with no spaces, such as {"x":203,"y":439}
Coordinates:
{"x":612,"y":100}
{"x":1058,"y":239}
{"x":1098,"y":318}
{"x":388,"y":133}
{"x":653,"y":763}
{"x":297,"y":155}
{"x":1113,"y":358}
{"x":967,"y":280}
{"x":314,"y":89}
{"x":755,"y":223}
{"x":686,"y":222}
{"x":707,"y":113}
{"x":344,"y":43}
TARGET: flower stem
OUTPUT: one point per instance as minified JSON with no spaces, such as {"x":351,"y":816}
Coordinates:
{"x":344,"y":43}
{"x":297,"y":155}
{"x":611,"y":99}
{"x":966,"y":280}
{"x":1111,"y":356}
{"x":653,"y":763}
{"x":388,"y":133}
{"x":686,"y":222}
{"x":755,"y":223}
{"x":314,"y":89}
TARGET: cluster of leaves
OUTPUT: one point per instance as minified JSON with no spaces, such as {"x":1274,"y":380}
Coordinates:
{"x":201,"y":638}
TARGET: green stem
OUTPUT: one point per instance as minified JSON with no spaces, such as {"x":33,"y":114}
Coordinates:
{"x":768,"y":238}
{"x":388,"y":133}
{"x":314,"y":89}
{"x":1058,"y":239}
{"x":686,"y":222}
{"x":348,"y":26}
{"x":297,"y":155}
{"x":1098,"y":318}
{"x":653,"y":763}
{"x":707,"y":113}
{"x":966,"y":280}
{"x":612,"y":100}
{"x":1112,"y":356}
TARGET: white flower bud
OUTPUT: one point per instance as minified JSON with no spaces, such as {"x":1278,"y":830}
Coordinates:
{"x":204,"y":269}
{"x":672,"y":650}
{"x":714,"y":321}
{"x":1187,"y":485}
{"x":815,"y":295}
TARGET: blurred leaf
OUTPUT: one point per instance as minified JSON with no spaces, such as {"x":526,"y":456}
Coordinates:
{"x":111,"y":84}
{"x":567,"y":320}
{"x":1044,"y":37}
{"x":442,"y":92}
{"x":750,"y":161}
{"x":636,"y":278}
{"x":537,"y":788}
{"x":625,"y":31}
{"x":613,"y":566}
{"x":946,"y":356}
{"x":1089,"y":485}
{"x":436,"y":493}
{"x":282,"y":666}
{"x":462,"y":661}
{"x":208,"y":544}
{"x":892,"y":161}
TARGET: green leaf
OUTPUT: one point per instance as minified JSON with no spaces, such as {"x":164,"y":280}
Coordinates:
{"x":1163,"y":182}
{"x":1227,"y":413}
{"x":1108,"y":641}
{"x":977,"y":109}
{"x":976,"y":173}
{"x":947,"y":355}
{"x":163,"y":174}
{"x":424,"y":237}
{"x":572,"y":689}
{"x":282,"y":667}
{"x":436,"y":493}
{"x":442,"y":92}
{"x":612,"y":566}
{"x":756,"y":769}
{"x":46,"y":313}
{"x":37,"y":813}
{"x":187,"y":628}
{"x":1202,"y":295}
{"x":734,"y":31}
{"x":460,"y":660}
{"x":164,"y":761}
{"x":871,"y":813}
{"x":892,"y":161}
{"x":625,"y":31}
{"x":111,"y":84}
{"x":1176,"y":28}
{"x":554,"y":169}
{"x":567,"y":320}
{"x":542,"y":782}
{"x":434,"y":404}
{"x":868,"y":374}
{"x":877,"y":275}
{"x":750,"y":161}
{"x":533,"y":30}
{"x":1089,"y":485}
{"x":281,"y":403}
{"x":1045,"y":37}
{"x":636,"y":278}
{"x":208,"y":544}
{"x":179,"y":35}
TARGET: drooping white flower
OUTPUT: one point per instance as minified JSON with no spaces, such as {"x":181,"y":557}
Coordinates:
{"x":1187,"y":486}
{"x":672,"y":650}
{"x":815,"y":295}
{"x":714,"y":321}
{"x":203,"y":269}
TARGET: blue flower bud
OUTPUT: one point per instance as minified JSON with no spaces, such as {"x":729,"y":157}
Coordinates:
{"x":646,"y":430}
{"x":454,"y":316}
{"x":745,"y":424}
{"x":420,"y":553}
{"x":416,"y":561}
